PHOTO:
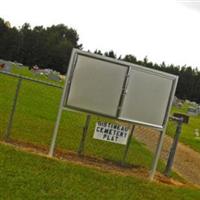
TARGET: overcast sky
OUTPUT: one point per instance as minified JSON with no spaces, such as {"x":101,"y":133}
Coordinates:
{"x":162,"y":30}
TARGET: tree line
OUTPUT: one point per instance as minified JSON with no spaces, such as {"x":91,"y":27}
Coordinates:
{"x":51,"y":48}
{"x":46,"y":47}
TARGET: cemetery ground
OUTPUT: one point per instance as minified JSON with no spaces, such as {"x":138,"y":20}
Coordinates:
{"x":32,"y":128}
{"x":35,"y":116}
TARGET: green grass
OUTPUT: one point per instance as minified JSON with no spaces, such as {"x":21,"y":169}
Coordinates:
{"x":187,"y":135}
{"x":27,"y":176}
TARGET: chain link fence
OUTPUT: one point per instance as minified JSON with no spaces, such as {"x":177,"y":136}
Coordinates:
{"x":36,"y":103}
{"x":71,"y":130}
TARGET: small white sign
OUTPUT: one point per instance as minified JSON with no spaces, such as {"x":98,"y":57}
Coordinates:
{"x":111,"y":132}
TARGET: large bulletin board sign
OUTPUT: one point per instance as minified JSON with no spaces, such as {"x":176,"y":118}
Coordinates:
{"x":120,"y":90}
{"x":124,"y":91}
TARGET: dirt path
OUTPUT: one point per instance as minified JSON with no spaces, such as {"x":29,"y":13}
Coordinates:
{"x":187,"y":161}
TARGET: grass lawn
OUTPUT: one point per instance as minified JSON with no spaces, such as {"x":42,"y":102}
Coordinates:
{"x":28,"y":176}
{"x":187,"y":135}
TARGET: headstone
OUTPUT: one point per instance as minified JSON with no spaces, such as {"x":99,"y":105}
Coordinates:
{"x":192,"y":111}
{"x":193,"y":104}
{"x":2,"y":65}
{"x":187,"y":101}
{"x":35,"y":67}
{"x":37,"y":71}
{"x":5,"y":66}
{"x":62,"y":77}
{"x":53,"y":76}
{"x":179,"y":105}
{"x":18,"y":65}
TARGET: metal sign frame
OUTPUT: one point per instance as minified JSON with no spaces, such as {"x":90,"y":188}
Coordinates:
{"x":130,"y":67}
{"x":66,"y":90}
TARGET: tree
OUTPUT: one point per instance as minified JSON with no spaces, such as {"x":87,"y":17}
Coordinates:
{"x":110,"y":54}
{"x":47,"y":47}
{"x":130,"y":58}
{"x":98,"y":52}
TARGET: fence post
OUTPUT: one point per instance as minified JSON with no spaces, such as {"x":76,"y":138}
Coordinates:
{"x":85,"y":130}
{"x":10,"y":121}
{"x":128,"y":145}
{"x":173,"y":147}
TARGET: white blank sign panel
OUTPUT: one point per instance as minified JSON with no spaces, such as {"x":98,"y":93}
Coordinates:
{"x":118,"y":89}
{"x":96,"y":85}
{"x":147,"y":97}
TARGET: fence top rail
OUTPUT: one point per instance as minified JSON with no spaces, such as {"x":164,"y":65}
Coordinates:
{"x":31,"y":79}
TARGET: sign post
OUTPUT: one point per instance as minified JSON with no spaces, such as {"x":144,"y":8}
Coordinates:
{"x":173,"y":147}
{"x":61,"y":107}
{"x":157,"y":155}
{"x":56,"y":127}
